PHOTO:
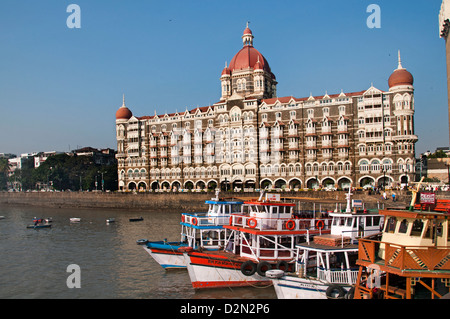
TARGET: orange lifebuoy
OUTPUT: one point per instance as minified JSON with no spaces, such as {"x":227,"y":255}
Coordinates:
{"x":320,"y":224}
{"x":194,"y":221}
{"x":290,"y":224}
{"x":252,"y":223}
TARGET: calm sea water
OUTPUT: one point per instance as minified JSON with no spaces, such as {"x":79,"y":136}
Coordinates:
{"x":33,"y":263}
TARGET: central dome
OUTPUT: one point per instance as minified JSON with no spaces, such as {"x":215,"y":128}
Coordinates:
{"x":246,"y":58}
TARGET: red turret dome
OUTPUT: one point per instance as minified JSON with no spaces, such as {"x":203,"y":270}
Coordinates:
{"x":400,"y":77}
{"x":123,"y":113}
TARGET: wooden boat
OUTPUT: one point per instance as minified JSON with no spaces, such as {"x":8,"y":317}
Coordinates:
{"x":263,"y":236}
{"x":198,"y":230}
{"x":136,"y":219}
{"x":412,"y":258}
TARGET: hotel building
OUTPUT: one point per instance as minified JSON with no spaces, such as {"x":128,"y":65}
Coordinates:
{"x":251,"y":138}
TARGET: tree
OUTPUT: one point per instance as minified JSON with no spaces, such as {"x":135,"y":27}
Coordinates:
{"x":5,"y":169}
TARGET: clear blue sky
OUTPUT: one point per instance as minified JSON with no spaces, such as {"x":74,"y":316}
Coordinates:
{"x":60,"y":87}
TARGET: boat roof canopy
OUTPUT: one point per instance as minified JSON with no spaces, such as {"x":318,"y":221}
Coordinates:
{"x":220,"y":202}
{"x":414,"y":214}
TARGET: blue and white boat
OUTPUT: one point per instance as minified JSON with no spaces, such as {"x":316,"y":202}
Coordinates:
{"x":198,"y":231}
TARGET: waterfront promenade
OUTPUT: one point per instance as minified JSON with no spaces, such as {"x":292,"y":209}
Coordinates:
{"x":188,"y":201}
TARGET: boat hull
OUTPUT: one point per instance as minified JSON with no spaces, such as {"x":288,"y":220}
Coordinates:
{"x":38,"y":226}
{"x":166,"y":254}
{"x":210,"y":270}
{"x":291,"y":287}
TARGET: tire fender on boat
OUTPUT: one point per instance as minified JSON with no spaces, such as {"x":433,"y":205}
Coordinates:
{"x":248,"y":268}
{"x":262,"y":267}
{"x":282,"y":265}
{"x":350,"y":294}
{"x":333,"y":289}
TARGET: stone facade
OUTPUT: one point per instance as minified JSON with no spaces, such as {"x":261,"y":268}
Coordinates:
{"x":251,"y":138}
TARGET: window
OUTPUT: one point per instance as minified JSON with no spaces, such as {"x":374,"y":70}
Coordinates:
{"x":417,"y":228}
{"x":390,"y":225}
{"x":403,"y":227}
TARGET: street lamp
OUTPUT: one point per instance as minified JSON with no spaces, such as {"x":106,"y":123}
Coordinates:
{"x":103,"y":181}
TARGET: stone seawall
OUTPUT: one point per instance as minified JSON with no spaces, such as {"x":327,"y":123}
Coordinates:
{"x":185,"y":202}
{"x":140,"y":201}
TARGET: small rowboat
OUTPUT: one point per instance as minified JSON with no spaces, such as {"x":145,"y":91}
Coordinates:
{"x":75,"y":220}
{"x":141,"y":241}
{"x":110,"y":220}
{"x":136,"y":219}
{"x":39,"y":226}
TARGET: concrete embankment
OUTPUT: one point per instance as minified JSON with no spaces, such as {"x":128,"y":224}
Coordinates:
{"x":185,"y":202}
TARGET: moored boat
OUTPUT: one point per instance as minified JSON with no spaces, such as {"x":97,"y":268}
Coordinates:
{"x":198,"y":230}
{"x":261,"y":237}
{"x":75,"y":219}
{"x":38,"y":226}
{"x":412,"y":258}
{"x":325,"y":268}
{"x":136,"y":219}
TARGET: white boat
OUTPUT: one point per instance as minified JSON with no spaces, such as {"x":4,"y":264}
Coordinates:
{"x":110,"y":220}
{"x":325,"y":268}
{"x":75,"y":220}
{"x":263,"y":236}
{"x":198,"y":230}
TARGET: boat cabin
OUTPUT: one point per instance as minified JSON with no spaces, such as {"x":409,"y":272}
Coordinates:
{"x":356,"y":224}
{"x":327,"y":263}
{"x":206,"y":229}
{"x":415,"y":228}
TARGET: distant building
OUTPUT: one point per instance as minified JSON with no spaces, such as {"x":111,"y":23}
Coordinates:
{"x":251,"y":138}
{"x":100,"y":157}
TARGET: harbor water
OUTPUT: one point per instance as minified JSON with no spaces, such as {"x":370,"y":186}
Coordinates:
{"x":34,"y":262}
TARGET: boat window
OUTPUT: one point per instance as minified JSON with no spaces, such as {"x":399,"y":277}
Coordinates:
{"x":376,"y":220}
{"x":350,"y":222}
{"x":368,"y":221}
{"x":274,"y":209}
{"x":403,"y":227}
{"x":430,"y":230}
{"x":390,"y":225}
{"x":417,"y":228}
{"x":341,"y":221}
{"x":439,"y":231}
{"x":235,"y":208}
{"x":335,"y":221}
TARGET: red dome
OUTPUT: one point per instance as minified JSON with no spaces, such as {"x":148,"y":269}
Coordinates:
{"x":226,"y":71}
{"x":246,"y":58}
{"x":123,"y":113}
{"x":400,"y":77}
{"x":248,"y":31}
